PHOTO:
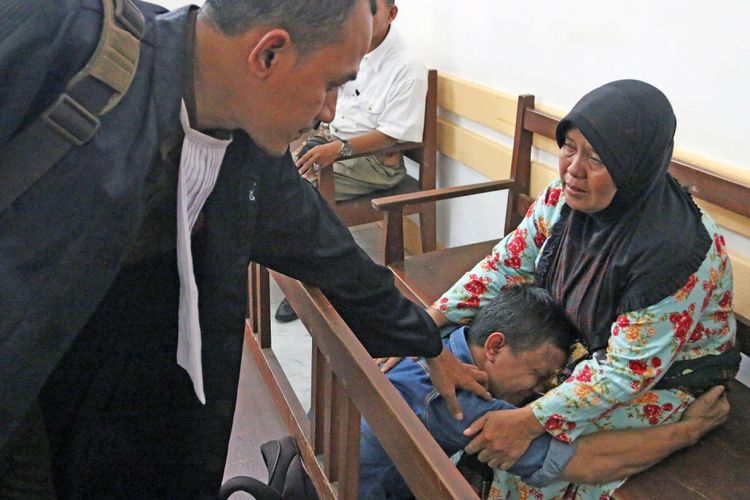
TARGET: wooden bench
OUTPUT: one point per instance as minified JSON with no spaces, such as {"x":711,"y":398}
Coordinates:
{"x":717,"y":466}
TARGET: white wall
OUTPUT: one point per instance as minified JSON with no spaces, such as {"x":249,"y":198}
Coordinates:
{"x":697,"y":52}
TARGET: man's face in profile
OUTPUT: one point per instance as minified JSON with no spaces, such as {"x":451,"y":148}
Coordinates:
{"x":303,"y":88}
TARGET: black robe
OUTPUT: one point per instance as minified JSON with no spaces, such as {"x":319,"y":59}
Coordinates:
{"x":69,"y":303}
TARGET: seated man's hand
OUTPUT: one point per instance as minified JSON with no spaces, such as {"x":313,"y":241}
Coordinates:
{"x":503,"y":436}
{"x":448,"y":373}
{"x":318,"y":157}
{"x":707,"y":412}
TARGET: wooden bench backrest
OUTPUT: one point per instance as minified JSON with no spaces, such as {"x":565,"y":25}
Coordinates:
{"x":709,"y":186}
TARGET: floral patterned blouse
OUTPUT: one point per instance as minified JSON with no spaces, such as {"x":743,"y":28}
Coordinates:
{"x":696,"y":320}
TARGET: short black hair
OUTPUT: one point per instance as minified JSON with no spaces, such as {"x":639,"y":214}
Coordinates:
{"x":311,"y":23}
{"x":527,"y":315}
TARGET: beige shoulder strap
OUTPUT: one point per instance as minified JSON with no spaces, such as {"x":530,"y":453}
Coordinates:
{"x":72,"y":120}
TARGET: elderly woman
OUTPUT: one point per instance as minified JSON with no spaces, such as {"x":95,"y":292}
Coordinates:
{"x":638,"y":269}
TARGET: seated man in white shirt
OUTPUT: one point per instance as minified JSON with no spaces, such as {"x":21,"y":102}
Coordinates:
{"x":384,"y":105}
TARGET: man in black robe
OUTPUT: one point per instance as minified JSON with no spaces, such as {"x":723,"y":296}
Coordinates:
{"x":89,"y":286}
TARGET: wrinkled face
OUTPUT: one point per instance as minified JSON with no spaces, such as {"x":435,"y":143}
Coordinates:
{"x":588,"y":185}
{"x":303,"y":89}
{"x":517,"y":377}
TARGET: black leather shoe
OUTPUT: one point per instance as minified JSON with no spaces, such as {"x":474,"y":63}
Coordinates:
{"x":285,"y":313}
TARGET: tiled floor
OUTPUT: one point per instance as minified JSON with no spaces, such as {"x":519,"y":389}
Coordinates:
{"x":290,"y":341}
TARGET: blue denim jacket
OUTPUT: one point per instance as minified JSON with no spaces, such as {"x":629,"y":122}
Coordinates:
{"x":540,"y":465}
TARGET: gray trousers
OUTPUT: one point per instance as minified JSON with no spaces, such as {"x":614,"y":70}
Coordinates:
{"x":358,"y":176}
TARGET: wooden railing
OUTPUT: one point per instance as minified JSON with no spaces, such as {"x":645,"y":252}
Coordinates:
{"x":346,"y":384}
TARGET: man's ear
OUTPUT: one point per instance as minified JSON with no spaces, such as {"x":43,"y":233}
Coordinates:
{"x":392,"y":13}
{"x":265,"y":55}
{"x":494,"y":344}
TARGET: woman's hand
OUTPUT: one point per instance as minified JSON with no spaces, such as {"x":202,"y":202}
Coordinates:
{"x":503,"y":436}
{"x":707,"y":412}
{"x":318,"y":157}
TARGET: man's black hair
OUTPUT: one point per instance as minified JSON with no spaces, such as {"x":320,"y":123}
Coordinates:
{"x":528,"y":317}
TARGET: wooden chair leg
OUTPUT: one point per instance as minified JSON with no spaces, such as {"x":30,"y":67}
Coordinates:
{"x":348,"y":476}
{"x":260,"y":304}
{"x":317,"y":424}
{"x":428,"y":227}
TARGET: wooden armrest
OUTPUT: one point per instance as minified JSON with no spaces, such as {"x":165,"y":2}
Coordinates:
{"x":400,"y":200}
{"x":393,"y":206}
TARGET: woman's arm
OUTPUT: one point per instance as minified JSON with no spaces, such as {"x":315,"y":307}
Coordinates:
{"x":511,"y":262}
{"x":613,"y":455}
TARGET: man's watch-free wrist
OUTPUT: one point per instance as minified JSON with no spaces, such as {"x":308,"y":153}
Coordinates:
{"x":346,"y":149}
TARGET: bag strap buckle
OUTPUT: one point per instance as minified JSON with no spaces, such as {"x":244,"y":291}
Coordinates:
{"x":71,"y":120}
{"x":128,"y":15}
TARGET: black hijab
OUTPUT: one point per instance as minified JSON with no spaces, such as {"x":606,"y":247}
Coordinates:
{"x":645,"y":245}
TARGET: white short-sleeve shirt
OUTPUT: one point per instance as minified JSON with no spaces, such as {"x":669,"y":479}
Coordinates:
{"x":388,"y":95}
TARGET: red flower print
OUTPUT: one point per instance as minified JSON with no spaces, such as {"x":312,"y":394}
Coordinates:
{"x":720,"y":316}
{"x":656,"y":362}
{"x":585,"y":375}
{"x":726,"y":300}
{"x":562,"y":437}
{"x":477,"y":285}
{"x":682,"y":322}
{"x":652,"y":413}
{"x":514,"y":262}
{"x":472,"y":302}
{"x":698,"y":333}
{"x":691,"y":283}
{"x":530,"y":210}
{"x":667,"y":407}
{"x":517,"y":244}
{"x":637,"y":366}
{"x":709,"y":287}
{"x":623,"y":321}
{"x":725,"y":347}
{"x":719,"y":242}
{"x":554,"y":422}
{"x":552,"y":197}
{"x":539,"y":239}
